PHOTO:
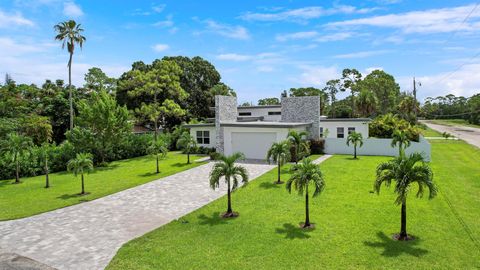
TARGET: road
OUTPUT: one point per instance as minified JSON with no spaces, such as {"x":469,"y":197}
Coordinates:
{"x":469,"y":134}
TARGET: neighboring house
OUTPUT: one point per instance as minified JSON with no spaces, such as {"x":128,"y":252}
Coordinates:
{"x":252,"y":129}
{"x":140,"y":129}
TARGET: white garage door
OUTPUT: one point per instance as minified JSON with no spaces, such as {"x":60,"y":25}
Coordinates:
{"x":253,"y":144}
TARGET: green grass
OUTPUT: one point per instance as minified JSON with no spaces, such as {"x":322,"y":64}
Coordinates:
{"x":30,"y":197}
{"x":454,"y":122}
{"x":353,"y":226}
{"x":428,"y":132}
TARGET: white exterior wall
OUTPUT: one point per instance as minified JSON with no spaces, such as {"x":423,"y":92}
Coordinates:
{"x":258,"y":149}
{"x":360,"y":127}
{"x":259,"y":111}
{"x":213,"y":141}
{"x":376,"y":147}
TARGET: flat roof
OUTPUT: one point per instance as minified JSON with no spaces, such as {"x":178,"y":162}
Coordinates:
{"x":345,"y":120}
{"x":259,"y":106}
{"x":263,"y":124}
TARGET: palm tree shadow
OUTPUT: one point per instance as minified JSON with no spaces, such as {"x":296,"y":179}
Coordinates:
{"x":269,"y":185}
{"x":148,"y":174}
{"x":293,"y":232}
{"x":394,"y":248}
{"x":215,"y":219}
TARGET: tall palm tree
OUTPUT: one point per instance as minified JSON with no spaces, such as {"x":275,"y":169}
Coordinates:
{"x":226,"y":168}
{"x":187,"y":143}
{"x":405,"y":171}
{"x":366,"y":102}
{"x":400,"y":137}
{"x":297,"y":138}
{"x":70,"y":33}
{"x":17,"y":146}
{"x":279,"y":152}
{"x":44,"y":152}
{"x":159,"y":149}
{"x":356,"y":139}
{"x":81,"y":164}
{"x":306,"y":173}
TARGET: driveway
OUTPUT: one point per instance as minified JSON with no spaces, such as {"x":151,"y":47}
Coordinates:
{"x":469,"y":134}
{"x":87,"y":235}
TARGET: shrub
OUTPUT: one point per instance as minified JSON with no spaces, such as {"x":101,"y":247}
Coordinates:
{"x":384,"y":126}
{"x":317,"y":146}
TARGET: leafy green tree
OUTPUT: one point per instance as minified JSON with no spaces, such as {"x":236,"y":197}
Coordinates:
{"x":82,"y":163}
{"x":311,"y":91}
{"x":187,"y":143}
{"x":70,"y":33}
{"x":356,"y":139}
{"x":159,"y":149}
{"x":45,"y":152}
{"x":385,"y":88}
{"x":366,"y":103}
{"x":226,"y":168}
{"x":405,"y":171}
{"x":332,"y":88}
{"x":279,"y":152}
{"x":37,"y":127}
{"x":473,"y":107}
{"x":222,"y":90}
{"x":305,"y":174}
{"x":269,"y":101}
{"x":96,"y":80}
{"x":297,"y":139}
{"x":349,"y":81}
{"x":401,"y":139}
{"x":17,"y":146}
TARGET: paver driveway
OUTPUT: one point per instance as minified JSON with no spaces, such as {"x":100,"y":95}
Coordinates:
{"x":87,"y":236}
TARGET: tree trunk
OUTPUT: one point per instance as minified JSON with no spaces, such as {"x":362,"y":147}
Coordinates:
{"x":307,"y":215}
{"x":70,"y":98}
{"x":47,"y":182}
{"x":17,"y":170}
{"x":188,"y":157}
{"x":83,"y":186}
{"x":296,"y":154}
{"x":355,"y":152}
{"x":278,"y":176}
{"x":158,"y":170}
{"x":403,"y":227}
{"x":229,"y":210}
{"x":156,"y":119}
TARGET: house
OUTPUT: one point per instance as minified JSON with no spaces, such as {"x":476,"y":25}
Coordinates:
{"x":252,"y":129}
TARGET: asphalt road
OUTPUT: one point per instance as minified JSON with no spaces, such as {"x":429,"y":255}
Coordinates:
{"x":469,"y":134}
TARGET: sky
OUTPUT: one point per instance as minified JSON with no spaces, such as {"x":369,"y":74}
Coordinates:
{"x":260,"y":48}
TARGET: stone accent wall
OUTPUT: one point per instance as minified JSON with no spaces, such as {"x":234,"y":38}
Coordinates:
{"x":225,"y":110}
{"x":303,"y":109}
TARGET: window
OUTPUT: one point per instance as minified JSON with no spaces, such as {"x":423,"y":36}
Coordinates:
{"x":321,"y":132}
{"x":203,"y":137}
{"x":245,"y":113}
{"x":274,"y":113}
{"x":351,"y":130}
{"x":340,"y":132}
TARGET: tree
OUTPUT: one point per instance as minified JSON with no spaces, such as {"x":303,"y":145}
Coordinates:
{"x":45,"y":152}
{"x":407,"y":109}
{"x":304,"y":174}
{"x":350,"y":79}
{"x":17,"y":146}
{"x":366,"y":103}
{"x":311,"y":91}
{"x":473,"y":107}
{"x":356,"y":139}
{"x":70,"y":33}
{"x":81,"y":164}
{"x":187,"y":143}
{"x":279,"y":152}
{"x":332,"y":88}
{"x":268,"y":101}
{"x":385,"y":88}
{"x":37,"y":127}
{"x":96,"y":80}
{"x":226,"y":168}
{"x":297,"y":139}
{"x":221,"y":89}
{"x":159,"y":149}
{"x":400,"y":137}
{"x":405,"y":171}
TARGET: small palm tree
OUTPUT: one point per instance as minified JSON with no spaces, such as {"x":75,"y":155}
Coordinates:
{"x":297,"y":138}
{"x":81,"y":164}
{"x":158,"y":149}
{"x":356,"y":139}
{"x":17,"y":146}
{"x":70,"y":33}
{"x":226,"y":168}
{"x":44,"y":152}
{"x":306,"y":173}
{"x":405,"y":171}
{"x":187,"y":143}
{"x":400,"y":137}
{"x":279,"y":152}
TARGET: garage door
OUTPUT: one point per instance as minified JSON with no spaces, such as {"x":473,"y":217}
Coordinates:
{"x":253,"y":144}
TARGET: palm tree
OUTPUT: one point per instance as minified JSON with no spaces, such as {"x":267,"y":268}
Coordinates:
{"x":70,"y":33}
{"x":81,"y":164}
{"x":187,"y":143}
{"x":366,"y":103}
{"x":279,"y":153}
{"x":405,"y":171}
{"x":44,"y":152}
{"x":226,"y":168}
{"x":305,"y":173}
{"x":159,"y":149}
{"x":17,"y":146}
{"x":400,"y":137}
{"x":298,"y":141}
{"x":356,"y":139}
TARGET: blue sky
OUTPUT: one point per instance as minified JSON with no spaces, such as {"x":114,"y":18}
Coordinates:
{"x":259,"y":47}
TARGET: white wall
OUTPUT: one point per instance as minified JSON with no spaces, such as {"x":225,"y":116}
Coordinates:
{"x":193,"y":133}
{"x":360,"y":127}
{"x":260,"y":111}
{"x":376,"y":147}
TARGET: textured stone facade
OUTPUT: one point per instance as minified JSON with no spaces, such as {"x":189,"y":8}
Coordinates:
{"x":225,"y":110}
{"x":303,"y":109}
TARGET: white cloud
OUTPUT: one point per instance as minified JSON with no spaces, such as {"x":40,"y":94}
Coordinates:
{"x":370,"y":70}
{"x":230,"y":31}
{"x":13,"y":19}
{"x":160,"y":47}
{"x":335,"y":37}
{"x":70,"y":9}
{"x":429,"y":21}
{"x":234,"y":57}
{"x":154,"y":10}
{"x":297,"y":35}
{"x":265,"y":69}
{"x":159,"y":8}
{"x":316,"y":75}
{"x":362,"y":54}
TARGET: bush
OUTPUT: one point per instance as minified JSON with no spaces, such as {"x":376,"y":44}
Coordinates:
{"x":201,"y":150}
{"x":384,"y":126}
{"x":317,"y":146}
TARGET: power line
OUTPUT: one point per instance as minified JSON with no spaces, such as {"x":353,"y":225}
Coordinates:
{"x":459,"y":67}
{"x":464,"y":20}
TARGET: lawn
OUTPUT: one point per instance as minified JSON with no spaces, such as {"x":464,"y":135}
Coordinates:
{"x":353,"y":225}
{"x":454,"y":122}
{"x":30,"y":197}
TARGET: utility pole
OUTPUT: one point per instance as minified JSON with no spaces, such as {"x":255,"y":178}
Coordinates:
{"x":415,"y":96}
